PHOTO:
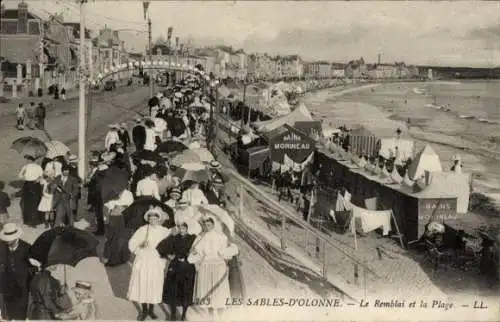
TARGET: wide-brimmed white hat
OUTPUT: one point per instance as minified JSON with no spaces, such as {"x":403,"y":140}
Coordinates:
{"x":123,"y":125}
{"x":10,"y":232}
{"x":156,"y":211}
{"x":113,"y":126}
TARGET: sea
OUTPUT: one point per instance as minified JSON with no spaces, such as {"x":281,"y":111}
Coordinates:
{"x":453,"y":117}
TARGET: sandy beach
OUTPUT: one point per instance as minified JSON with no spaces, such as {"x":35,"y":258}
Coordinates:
{"x":466,"y":124}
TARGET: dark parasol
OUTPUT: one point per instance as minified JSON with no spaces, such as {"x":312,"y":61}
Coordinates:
{"x":171,"y":146}
{"x":148,"y":155}
{"x":134,"y":214}
{"x":114,"y":181}
{"x":63,"y":245}
{"x":29,"y":146}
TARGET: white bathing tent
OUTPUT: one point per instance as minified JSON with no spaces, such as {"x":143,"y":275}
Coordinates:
{"x":425,"y":160}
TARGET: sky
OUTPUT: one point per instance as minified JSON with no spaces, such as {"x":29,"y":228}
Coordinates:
{"x":459,"y":33}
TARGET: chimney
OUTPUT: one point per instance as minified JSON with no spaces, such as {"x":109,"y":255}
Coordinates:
{"x":379,"y":59}
{"x":22,"y":18}
{"x":2,"y":9}
{"x":115,"y":33}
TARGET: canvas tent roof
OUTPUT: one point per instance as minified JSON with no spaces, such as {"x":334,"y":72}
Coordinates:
{"x":301,"y":113}
{"x":425,"y":160}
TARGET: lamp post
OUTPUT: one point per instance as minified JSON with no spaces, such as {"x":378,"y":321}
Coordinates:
{"x":81,"y":98}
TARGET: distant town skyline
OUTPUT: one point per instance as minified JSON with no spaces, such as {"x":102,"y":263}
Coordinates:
{"x":464,"y":33}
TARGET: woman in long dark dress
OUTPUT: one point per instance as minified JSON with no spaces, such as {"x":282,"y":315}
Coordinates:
{"x":116,"y":250}
{"x":179,"y":283}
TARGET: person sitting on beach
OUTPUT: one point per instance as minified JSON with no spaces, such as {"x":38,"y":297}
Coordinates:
{"x":84,"y":307}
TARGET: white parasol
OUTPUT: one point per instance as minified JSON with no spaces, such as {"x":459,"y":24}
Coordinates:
{"x":220,"y":216}
{"x":204,"y":154}
{"x":160,"y":125}
{"x":55,"y":149}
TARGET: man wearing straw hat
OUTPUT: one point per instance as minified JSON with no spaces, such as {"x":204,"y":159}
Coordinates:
{"x":84,"y":308}
{"x":15,"y":271}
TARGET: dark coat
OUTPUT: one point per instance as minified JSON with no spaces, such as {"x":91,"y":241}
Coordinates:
{"x":65,"y":199}
{"x":213,"y":199}
{"x":124,"y":138}
{"x":179,"y":282}
{"x":15,"y":272}
{"x":46,"y":297}
{"x":139,"y":136}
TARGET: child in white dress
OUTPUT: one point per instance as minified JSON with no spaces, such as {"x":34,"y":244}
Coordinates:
{"x":46,"y":206}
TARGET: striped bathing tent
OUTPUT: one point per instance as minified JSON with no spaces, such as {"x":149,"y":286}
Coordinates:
{"x":363,"y":142}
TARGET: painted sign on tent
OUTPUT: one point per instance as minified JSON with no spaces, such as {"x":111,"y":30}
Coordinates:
{"x":297,"y":145}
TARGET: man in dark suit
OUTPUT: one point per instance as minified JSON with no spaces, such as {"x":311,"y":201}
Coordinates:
{"x":65,"y":198}
{"x":215,"y":193}
{"x":139,"y":135}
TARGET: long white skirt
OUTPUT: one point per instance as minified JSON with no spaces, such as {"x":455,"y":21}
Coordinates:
{"x":212,"y":284}
{"x":146,"y":280}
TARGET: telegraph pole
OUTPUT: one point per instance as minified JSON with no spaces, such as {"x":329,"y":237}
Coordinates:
{"x":81,"y":99}
{"x":150,"y":41}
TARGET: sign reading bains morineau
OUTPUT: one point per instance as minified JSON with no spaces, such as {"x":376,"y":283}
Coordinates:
{"x":293,"y":143}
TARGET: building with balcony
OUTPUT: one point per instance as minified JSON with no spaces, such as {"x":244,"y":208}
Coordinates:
{"x":109,"y":50}
{"x":21,"y":48}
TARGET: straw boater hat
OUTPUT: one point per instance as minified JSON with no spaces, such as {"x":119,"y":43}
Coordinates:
{"x":123,"y":125}
{"x":175,"y":193}
{"x":215,"y":164}
{"x":10,"y":232}
{"x":82,"y":286}
{"x":108,"y":156}
{"x":113,"y":126}
{"x":138,"y":119}
{"x":35,"y":263}
{"x":72,"y":158}
{"x":156,"y":211}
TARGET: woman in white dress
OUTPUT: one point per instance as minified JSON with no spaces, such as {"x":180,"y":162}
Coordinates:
{"x":46,"y":206}
{"x":148,"y":186}
{"x":209,"y":253}
{"x":150,"y":143}
{"x":146,"y":280}
{"x":194,"y":196}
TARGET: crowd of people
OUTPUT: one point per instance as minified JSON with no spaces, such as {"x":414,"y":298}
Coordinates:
{"x":180,"y":250}
{"x":31,"y":117}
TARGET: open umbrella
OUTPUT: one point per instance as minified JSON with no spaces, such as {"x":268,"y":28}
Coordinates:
{"x":134,"y":214}
{"x":192,"y":171}
{"x":171,"y":146}
{"x":55,"y":149}
{"x":220,"y":215}
{"x":63,"y":245}
{"x":29,"y":146}
{"x":204,"y":154}
{"x":187,"y":156}
{"x":114,"y":181}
